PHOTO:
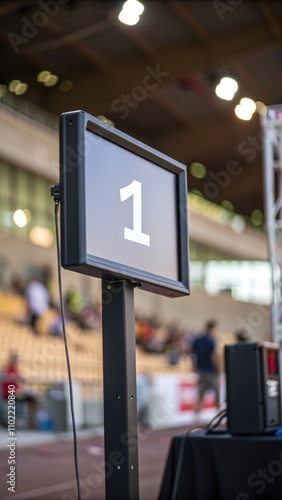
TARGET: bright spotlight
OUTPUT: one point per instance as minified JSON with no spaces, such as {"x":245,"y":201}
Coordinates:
{"x":227,"y":88}
{"x":243,"y":113}
{"x":42,"y":76}
{"x":248,"y":104}
{"x":20,"y":88}
{"x":41,"y":236}
{"x":131,"y":12}
{"x":224,"y":93}
{"x":245,"y":109}
{"x":51,"y":80}
{"x":230,"y":83}
{"x":20,"y":218}
{"x":133,"y":6}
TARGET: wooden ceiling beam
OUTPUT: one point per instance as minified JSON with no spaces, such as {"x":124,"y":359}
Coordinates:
{"x":145,"y":47}
{"x":171,"y":108}
{"x":243,"y":185}
{"x":208,"y":141}
{"x":175,"y":61}
{"x":189,"y":20}
{"x":39,"y":61}
{"x":259,"y":94}
{"x":78,"y":46}
{"x":199,"y":31}
{"x":8,"y":8}
{"x":270,"y":18}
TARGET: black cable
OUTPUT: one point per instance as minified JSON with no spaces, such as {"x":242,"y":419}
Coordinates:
{"x":209,"y":427}
{"x":215,"y":421}
{"x":213,"y":429}
{"x":180,"y":459}
{"x":56,"y":201}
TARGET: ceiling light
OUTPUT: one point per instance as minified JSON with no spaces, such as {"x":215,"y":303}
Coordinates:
{"x":21,"y":88}
{"x":51,"y":80}
{"x":13,"y":84}
{"x":227,"y":205}
{"x":131,"y":12}
{"x":41,"y":236}
{"x":18,"y":87}
{"x":259,"y":106}
{"x":66,"y":85}
{"x":47,"y":78}
{"x":238,"y":224}
{"x":242,"y":113}
{"x":248,"y":104}
{"x":257,"y":217}
{"x":134,"y":6}
{"x":230,"y":83}
{"x":196,"y":192}
{"x":20,"y":218}
{"x":245,"y":109}
{"x":41,"y":77}
{"x":106,"y":120}
{"x":227,"y":88}
{"x":28,"y":216}
{"x":128,"y":18}
{"x":198,"y":170}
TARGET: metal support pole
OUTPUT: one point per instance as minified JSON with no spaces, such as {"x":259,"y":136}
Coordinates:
{"x":269,"y":203}
{"x":271,"y":121}
{"x":120,"y":411}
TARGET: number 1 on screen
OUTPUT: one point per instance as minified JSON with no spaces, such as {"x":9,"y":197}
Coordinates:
{"x":135,"y":190}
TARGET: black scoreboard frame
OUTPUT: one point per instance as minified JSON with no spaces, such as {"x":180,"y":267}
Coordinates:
{"x":74,"y":257}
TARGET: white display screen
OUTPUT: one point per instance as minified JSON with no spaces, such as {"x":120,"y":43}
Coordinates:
{"x":131,"y":209}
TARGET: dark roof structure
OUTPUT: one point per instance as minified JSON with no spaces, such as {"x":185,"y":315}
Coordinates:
{"x":156,"y":80}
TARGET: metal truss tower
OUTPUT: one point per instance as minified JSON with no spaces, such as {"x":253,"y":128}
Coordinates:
{"x":271,"y":123}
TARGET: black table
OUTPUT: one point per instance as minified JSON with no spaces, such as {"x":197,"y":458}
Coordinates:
{"x":223,"y":467}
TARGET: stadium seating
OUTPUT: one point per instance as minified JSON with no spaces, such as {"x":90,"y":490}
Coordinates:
{"x":42,"y":357}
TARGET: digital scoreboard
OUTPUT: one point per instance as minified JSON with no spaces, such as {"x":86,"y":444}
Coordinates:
{"x":123,"y":207}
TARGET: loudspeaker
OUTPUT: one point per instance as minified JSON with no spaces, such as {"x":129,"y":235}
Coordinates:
{"x":253,"y":387}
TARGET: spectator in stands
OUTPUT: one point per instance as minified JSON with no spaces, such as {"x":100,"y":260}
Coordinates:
{"x":12,"y":377}
{"x":157,"y":343}
{"x":17,"y":285}
{"x":48,"y":281}
{"x":74,"y":306}
{"x":206,"y":363}
{"x":37,"y":298}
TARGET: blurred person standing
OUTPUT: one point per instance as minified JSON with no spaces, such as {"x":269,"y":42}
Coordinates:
{"x":206,"y":363}
{"x":37,"y":298}
{"x":12,"y":377}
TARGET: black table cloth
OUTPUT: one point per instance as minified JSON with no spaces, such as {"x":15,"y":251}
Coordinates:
{"x":223,"y":467}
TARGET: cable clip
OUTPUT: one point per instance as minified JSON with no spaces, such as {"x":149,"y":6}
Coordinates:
{"x":56,"y":192}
